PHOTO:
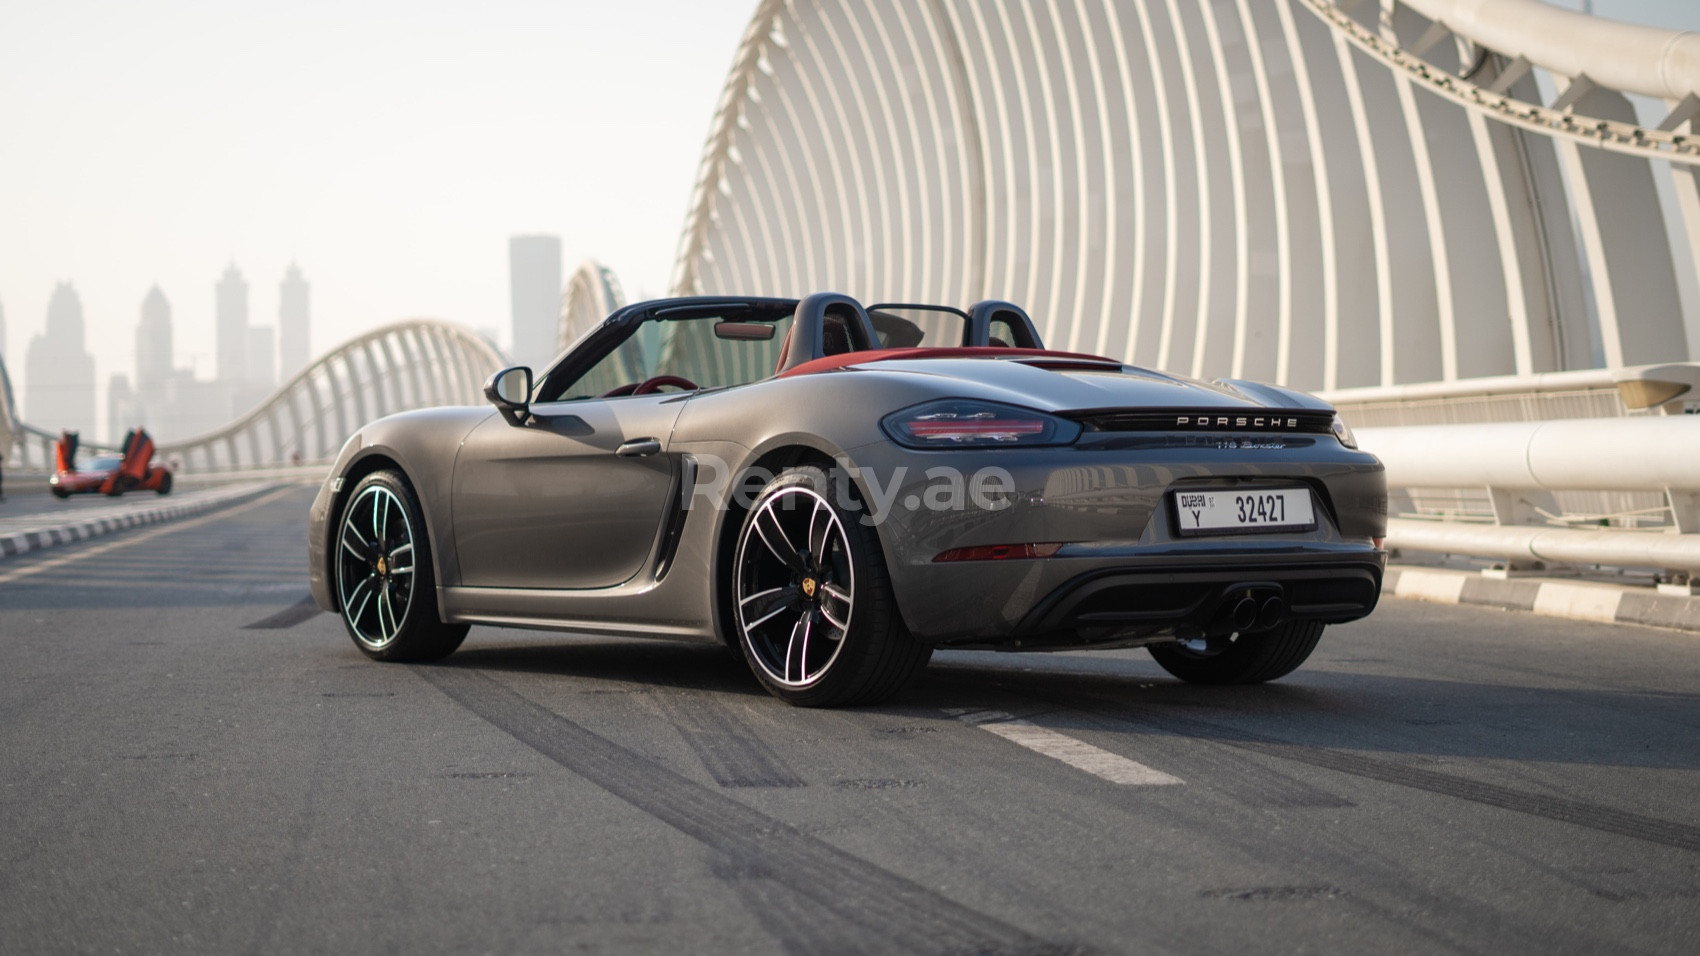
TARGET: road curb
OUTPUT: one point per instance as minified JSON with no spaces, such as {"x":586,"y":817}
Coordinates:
{"x":1579,"y":600}
{"x":36,"y":539}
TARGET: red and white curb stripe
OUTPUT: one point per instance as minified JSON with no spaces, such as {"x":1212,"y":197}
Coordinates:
{"x":24,"y":537}
{"x":1578,"y":600}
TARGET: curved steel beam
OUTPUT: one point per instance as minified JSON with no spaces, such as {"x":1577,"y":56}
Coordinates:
{"x":439,"y":352}
{"x":593,"y":293}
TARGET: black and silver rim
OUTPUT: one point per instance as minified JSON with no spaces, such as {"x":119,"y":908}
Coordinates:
{"x":795,"y":586}
{"x":375,"y":566}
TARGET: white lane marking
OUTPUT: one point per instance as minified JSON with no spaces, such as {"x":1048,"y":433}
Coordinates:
{"x":1076,"y":753}
{"x":128,"y":540}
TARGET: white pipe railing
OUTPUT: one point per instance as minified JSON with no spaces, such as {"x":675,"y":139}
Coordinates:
{"x":1632,"y":549}
{"x":1621,"y":454}
{"x":1521,"y":467}
{"x":1674,"y":373}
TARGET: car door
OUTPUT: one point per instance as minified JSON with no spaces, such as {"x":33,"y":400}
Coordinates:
{"x":574,"y":498}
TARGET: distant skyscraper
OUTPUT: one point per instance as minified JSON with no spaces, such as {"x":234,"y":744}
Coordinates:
{"x":232,"y":325}
{"x":293,"y":348}
{"x":59,"y":371}
{"x":153,"y":346}
{"x":124,"y":409}
{"x":534,"y":276}
{"x":262,"y":357}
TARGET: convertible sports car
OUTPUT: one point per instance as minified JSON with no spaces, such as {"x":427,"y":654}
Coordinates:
{"x":837,"y":490}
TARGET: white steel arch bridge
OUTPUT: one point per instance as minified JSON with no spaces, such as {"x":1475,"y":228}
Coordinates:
{"x":404,"y":365}
{"x":1323,"y":194}
{"x":1432,"y":211}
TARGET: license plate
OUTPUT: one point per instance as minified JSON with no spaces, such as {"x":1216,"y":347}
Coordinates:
{"x":1262,"y":509}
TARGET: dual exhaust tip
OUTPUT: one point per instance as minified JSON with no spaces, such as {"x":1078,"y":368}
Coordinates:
{"x":1255,"y":611}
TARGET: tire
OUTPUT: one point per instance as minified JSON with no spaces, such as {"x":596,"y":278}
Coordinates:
{"x":164,"y":484}
{"x":385,"y":588}
{"x":818,"y":625}
{"x":1252,"y":659}
{"x":59,"y":492}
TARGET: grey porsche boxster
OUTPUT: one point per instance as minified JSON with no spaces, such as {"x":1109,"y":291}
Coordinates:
{"x":836,"y":491}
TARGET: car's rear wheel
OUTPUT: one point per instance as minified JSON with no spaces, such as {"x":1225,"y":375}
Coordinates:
{"x":1249,"y":659}
{"x":385,"y":586}
{"x":813,"y":605}
{"x":164,"y":484}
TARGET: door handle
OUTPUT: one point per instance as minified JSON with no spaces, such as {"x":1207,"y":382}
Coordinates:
{"x":639,"y":448}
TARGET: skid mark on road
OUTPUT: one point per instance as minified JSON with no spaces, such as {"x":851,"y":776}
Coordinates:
{"x":1562,"y":809}
{"x":1076,"y":753}
{"x":887,"y":911}
{"x":288,"y":617}
{"x":730,"y":750}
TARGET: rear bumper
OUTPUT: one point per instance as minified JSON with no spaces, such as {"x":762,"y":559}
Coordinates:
{"x":1075,"y":602}
{"x":1120,"y":605}
{"x":1124,"y":569}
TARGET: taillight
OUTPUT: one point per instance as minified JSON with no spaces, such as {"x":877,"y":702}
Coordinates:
{"x":1343,"y":432}
{"x":961,"y":423}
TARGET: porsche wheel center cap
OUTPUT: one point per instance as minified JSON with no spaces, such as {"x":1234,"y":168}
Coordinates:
{"x":383,"y":568}
{"x":809,"y":587}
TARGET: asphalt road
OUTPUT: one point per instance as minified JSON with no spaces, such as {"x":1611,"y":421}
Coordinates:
{"x":194,"y":760}
{"x":28,"y":495}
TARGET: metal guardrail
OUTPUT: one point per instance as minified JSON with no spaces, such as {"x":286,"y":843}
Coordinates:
{"x":1521,"y":491}
{"x":1590,"y":467}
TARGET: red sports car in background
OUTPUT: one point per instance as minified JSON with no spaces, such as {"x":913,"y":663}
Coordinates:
{"x":110,"y":474}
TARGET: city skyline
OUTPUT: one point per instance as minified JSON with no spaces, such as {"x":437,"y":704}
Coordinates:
{"x":157,"y":392}
{"x":59,"y":372}
{"x":397,"y":164}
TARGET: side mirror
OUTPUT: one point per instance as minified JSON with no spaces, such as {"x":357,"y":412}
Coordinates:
{"x":510,"y":391}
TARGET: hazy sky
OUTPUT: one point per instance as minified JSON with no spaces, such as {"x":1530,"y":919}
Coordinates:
{"x":390,"y":148}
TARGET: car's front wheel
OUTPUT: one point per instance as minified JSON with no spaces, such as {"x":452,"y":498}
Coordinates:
{"x":1249,"y":659}
{"x":813,"y":604}
{"x":384,"y":581}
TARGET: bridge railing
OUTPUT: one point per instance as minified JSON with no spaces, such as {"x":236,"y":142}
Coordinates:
{"x":1598,"y":467}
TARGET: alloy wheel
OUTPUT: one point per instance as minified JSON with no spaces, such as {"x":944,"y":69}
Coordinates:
{"x":795,"y":586}
{"x":375,"y":566}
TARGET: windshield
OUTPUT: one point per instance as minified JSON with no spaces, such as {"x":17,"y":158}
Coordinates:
{"x":692,"y":348}
{"x":104,"y":463}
